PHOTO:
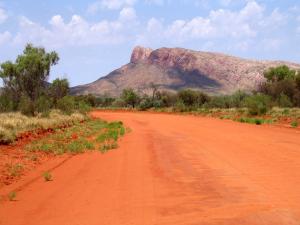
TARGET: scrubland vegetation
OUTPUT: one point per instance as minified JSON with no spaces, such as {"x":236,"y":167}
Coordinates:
{"x":29,"y":103}
{"x":14,"y":124}
{"x":276,"y":98}
{"x":94,"y":135}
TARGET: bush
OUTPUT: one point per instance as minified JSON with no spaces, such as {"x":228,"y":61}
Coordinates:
{"x":167,"y":99}
{"x":118,"y":103}
{"x":294,"y":124}
{"x":6,"y":103}
{"x":191,"y":98}
{"x":130,"y":97}
{"x":145,"y":103}
{"x":83,"y":107}
{"x":284,"y":101}
{"x":26,"y":106}
{"x":43,"y":105}
{"x":66,"y":104}
{"x":258,"y":104}
{"x":47,"y":176}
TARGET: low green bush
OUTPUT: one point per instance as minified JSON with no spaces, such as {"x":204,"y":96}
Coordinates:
{"x":66,"y":104}
{"x":294,"y":124}
{"x":258,"y":104}
{"x":47,"y":176}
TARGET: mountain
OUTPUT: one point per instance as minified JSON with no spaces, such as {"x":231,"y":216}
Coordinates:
{"x":173,"y":69}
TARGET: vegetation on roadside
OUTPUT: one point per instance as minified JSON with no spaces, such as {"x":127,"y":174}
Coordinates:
{"x":277,"y":99}
{"x":26,"y":87}
{"x":93,"y":135}
{"x":26,"y":90}
{"x":14,"y":124}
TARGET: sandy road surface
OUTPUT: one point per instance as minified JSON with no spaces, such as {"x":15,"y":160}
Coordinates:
{"x":172,"y":170}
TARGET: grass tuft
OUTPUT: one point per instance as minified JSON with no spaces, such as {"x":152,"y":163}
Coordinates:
{"x":12,"y":196}
{"x":47,"y":176}
{"x":294,"y":124}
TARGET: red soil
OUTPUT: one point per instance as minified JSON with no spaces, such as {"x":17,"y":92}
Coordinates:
{"x":14,"y":154}
{"x":179,"y":170}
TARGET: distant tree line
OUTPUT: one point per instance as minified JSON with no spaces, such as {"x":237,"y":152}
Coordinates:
{"x":281,"y":88}
{"x":26,"y":89}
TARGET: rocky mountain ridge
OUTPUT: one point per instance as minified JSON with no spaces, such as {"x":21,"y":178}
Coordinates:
{"x":172,"y":69}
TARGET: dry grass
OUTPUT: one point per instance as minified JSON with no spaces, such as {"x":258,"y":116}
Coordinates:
{"x":14,"y":124}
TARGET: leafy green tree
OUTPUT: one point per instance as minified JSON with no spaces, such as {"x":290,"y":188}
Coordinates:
{"x":191,"y":98}
{"x":59,"y":89}
{"x":27,"y":76}
{"x":130,"y":97}
{"x":279,"y":73}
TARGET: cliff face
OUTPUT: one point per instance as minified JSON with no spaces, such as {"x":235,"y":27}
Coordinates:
{"x":173,"y":69}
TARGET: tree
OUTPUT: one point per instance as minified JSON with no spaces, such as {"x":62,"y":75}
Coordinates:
{"x":192,"y":98}
{"x":27,"y":77}
{"x":130,"y":97}
{"x":59,"y":89}
{"x":279,"y":73}
{"x":283,"y":85}
{"x":154,"y":88}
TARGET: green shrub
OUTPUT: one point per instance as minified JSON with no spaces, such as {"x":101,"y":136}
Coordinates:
{"x":66,"y":104}
{"x":47,"y":176}
{"x":294,"y":124}
{"x":118,"y":103}
{"x":6,"y":103}
{"x":284,"y":101}
{"x":146,"y":103}
{"x":83,"y":107}
{"x":258,"y":104}
{"x":257,"y":121}
{"x":26,"y":106}
{"x":130,"y":97}
{"x":43,"y":105}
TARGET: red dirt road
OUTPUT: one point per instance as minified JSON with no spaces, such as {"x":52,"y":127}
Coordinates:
{"x":172,"y":170}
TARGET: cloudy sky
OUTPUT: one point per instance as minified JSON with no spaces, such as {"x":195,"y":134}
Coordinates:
{"x":95,"y":37}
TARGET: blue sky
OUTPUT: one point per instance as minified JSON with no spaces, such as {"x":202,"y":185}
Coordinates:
{"x":93,"y":37}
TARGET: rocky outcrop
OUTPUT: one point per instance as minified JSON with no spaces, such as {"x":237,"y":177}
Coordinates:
{"x":140,"y":54}
{"x":173,"y":69}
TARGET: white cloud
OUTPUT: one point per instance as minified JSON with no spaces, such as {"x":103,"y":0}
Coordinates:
{"x":76,"y":32}
{"x":127,"y":14}
{"x":109,"y":4}
{"x":247,"y":23}
{"x":3,"y":15}
{"x":239,"y":29}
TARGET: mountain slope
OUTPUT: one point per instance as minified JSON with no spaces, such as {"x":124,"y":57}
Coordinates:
{"x":173,"y":69}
